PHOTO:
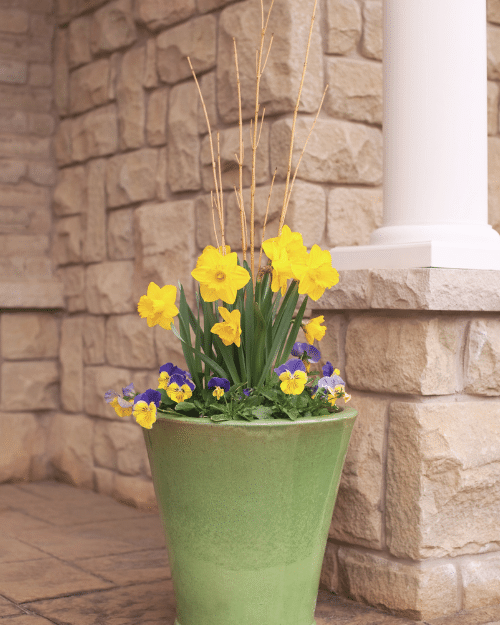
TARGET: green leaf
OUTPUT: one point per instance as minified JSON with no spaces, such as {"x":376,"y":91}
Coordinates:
{"x":184,"y":406}
{"x":263,"y":412}
{"x":220,"y":417}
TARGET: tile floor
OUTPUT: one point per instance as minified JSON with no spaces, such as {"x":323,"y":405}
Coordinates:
{"x":73,"y":557}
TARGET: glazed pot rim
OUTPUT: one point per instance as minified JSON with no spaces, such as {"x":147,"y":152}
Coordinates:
{"x":345,"y":414}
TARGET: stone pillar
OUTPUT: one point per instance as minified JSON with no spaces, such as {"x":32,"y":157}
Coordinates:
{"x":415,"y":528}
{"x":435,"y":142}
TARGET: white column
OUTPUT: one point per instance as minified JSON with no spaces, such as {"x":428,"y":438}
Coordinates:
{"x":435,"y":141}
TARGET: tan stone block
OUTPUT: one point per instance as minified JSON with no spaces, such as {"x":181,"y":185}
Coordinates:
{"x":93,"y":340}
{"x":24,"y":209}
{"x":184,"y":141}
{"x":131,"y":177}
{"x":208,"y":85}
{"x":112,"y":27}
{"x":353,"y":214}
{"x":355,"y":90}
{"x":418,"y":591}
{"x":131,"y":99}
{"x":357,"y":517}
{"x":79,"y":41}
{"x":373,"y":30}
{"x":482,"y":357}
{"x":129,"y":342}
{"x":89,"y":86}
{"x":29,"y":335}
{"x":493,"y":11}
{"x":137,"y":491}
{"x":18,"y":438}
{"x":481,"y":581}
{"x":29,"y":147}
{"x":61,"y":71}
{"x":332,"y":345}
{"x":109,"y":287}
{"x":492,"y":108}
{"x":493,"y":52}
{"x":161,"y":258}
{"x":194,"y":39}
{"x":13,"y":121}
{"x":30,"y":385}
{"x":150,"y":78}
{"x":13,"y":20}
{"x":168,"y":348}
{"x":67,"y":246}
{"x":156,"y":120}
{"x":12,"y":171}
{"x":70,"y":445}
{"x":280,"y":81}
{"x":404,"y":355}
{"x":62,"y":142}
{"x":494,"y":182}
{"x":156,"y":14}
{"x":94,"y":241}
{"x":229,"y":148}
{"x":337,"y":151}
{"x":41,"y":26}
{"x":71,"y":359}
{"x":161,"y":186}
{"x":98,"y":380}
{"x":14,"y":72}
{"x":204,"y":224}
{"x":42,"y":173}
{"x":344,"y":26}
{"x":306,"y":212}
{"x":104,"y":481}
{"x":95,"y":133}
{"x":70,"y":194}
{"x":120,"y":234}
{"x":120,"y":446}
{"x":329,"y":571}
{"x":73,"y":278}
{"x":442,"y":468}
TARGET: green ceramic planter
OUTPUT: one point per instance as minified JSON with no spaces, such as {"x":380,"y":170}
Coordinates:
{"x":246,"y":508}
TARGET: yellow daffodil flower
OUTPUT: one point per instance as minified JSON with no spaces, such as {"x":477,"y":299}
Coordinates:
{"x":282,"y":251}
{"x":230,"y":329}
{"x":316,"y":273}
{"x":158,"y":306}
{"x":314,"y":330}
{"x":293,"y":383}
{"x":179,"y":393}
{"x":220,"y":277}
{"x":145,"y":414}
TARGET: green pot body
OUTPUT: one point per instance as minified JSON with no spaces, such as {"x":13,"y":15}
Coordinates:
{"x":246,"y":508}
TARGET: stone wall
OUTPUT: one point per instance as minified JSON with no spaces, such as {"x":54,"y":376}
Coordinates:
{"x":29,"y":341}
{"x":132,"y":203}
{"x":415,"y":527}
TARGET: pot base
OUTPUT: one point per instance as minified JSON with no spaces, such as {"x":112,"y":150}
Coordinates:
{"x":178,"y":623}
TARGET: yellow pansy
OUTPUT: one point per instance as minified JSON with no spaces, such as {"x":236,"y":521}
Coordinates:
{"x":179,"y":393}
{"x":145,"y":414}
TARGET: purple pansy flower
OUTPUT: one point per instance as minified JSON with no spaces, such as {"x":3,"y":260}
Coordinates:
{"x":180,"y":379}
{"x":327,"y":369}
{"x":171,"y":369}
{"x":222,"y":383}
{"x":299,"y":349}
{"x":128,"y":390}
{"x":330,"y":382}
{"x":149,"y":396}
{"x":292,"y":365}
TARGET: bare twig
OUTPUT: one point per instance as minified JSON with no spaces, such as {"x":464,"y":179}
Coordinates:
{"x":240,"y":160}
{"x":295,"y":113}
{"x":287,"y":197}
{"x":265,"y":219}
{"x":218,"y":191}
